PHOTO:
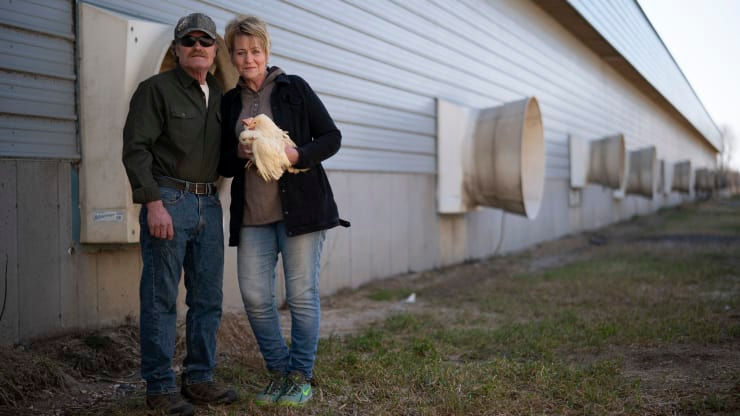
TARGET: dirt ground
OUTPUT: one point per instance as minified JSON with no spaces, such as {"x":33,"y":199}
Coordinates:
{"x":79,"y":372}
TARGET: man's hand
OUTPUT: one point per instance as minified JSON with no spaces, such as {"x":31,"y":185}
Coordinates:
{"x":159,"y":221}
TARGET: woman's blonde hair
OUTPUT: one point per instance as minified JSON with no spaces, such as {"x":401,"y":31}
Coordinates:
{"x":249,"y":26}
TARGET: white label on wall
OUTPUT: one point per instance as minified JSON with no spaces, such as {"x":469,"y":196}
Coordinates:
{"x":107,"y":216}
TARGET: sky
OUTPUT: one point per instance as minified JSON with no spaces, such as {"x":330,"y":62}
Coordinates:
{"x":704,"y":38}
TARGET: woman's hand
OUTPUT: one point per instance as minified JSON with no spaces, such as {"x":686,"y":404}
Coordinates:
{"x":292,"y":154}
{"x":244,"y":151}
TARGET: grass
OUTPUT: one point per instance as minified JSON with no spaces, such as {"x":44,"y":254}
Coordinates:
{"x":435,"y":368}
{"x":389,"y":294}
{"x":553,"y":341}
{"x":716,"y":218}
{"x":635,"y":328}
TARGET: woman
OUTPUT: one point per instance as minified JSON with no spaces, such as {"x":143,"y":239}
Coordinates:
{"x":289,"y":216}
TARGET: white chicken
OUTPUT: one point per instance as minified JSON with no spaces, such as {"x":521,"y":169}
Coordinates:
{"x":268,"y":147}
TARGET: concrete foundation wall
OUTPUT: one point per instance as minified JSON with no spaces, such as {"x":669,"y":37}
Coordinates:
{"x":55,"y":284}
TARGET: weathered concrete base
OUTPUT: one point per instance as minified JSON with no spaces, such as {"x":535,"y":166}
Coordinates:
{"x":55,"y":284}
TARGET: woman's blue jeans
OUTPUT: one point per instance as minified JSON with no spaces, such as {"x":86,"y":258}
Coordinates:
{"x":257,"y":257}
{"x":198,"y":246}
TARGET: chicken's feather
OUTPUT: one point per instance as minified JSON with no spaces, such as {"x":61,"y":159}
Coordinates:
{"x":268,"y":146}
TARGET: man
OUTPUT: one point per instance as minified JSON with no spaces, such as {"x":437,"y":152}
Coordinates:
{"x":171,"y":144}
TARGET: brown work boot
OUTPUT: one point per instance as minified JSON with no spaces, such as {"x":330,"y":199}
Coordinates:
{"x":170,"y":404}
{"x":208,"y":392}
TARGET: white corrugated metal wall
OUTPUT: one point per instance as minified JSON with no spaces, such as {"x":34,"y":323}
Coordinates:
{"x":379,"y":66}
{"x":38,"y":143}
{"x":627,"y":28}
{"x":37,"y":79}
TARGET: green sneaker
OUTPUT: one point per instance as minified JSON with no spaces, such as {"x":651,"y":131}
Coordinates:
{"x":296,"y":391}
{"x":271,"y":393}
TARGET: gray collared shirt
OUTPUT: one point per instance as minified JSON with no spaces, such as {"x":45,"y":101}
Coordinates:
{"x":261,"y":199}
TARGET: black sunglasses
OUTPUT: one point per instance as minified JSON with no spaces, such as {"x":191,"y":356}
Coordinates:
{"x":204,"y":41}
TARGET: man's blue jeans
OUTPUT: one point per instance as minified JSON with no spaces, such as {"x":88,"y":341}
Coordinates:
{"x":198,"y":245}
{"x":257,"y":256}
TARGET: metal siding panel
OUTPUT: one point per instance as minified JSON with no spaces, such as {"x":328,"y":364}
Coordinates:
{"x":470,"y":32}
{"x":335,"y":258}
{"x":333,"y":45}
{"x":37,"y":80}
{"x":372,"y":115}
{"x":621,"y":106}
{"x":402,"y":66}
{"x":166,"y":12}
{"x":547,"y":76}
{"x":569,"y":64}
{"x":641,"y":46}
{"x":365,"y":137}
{"x":548,"y":82}
{"x":49,"y":16}
{"x":326,"y":81}
{"x":636,"y":35}
{"x":339,"y":59}
{"x":354,"y":87}
{"x":38,"y":248}
{"x":37,"y":137}
{"x":423,"y":222}
{"x":9,"y":331}
{"x":475,"y":60}
{"x":379,"y":243}
{"x":69,"y":299}
{"x":36,"y":53}
{"x":381,"y":87}
{"x":401,"y":239}
{"x":554,"y":101}
{"x":38,"y":96}
{"x":380,"y":161}
{"x":362,"y":206}
{"x":324,"y":50}
{"x":381,"y":211}
{"x":366,"y":34}
{"x":483,"y":232}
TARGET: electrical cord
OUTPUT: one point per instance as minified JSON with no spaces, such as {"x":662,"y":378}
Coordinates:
{"x":5,"y":290}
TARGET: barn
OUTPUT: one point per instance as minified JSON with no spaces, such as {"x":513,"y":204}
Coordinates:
{"x":605,"y":127}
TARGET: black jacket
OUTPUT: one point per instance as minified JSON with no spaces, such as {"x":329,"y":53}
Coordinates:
{"x":307,"y":199}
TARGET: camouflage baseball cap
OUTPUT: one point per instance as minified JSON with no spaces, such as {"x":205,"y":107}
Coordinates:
{"x":194,"y":22}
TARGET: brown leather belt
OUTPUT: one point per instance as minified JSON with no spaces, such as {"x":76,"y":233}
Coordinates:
{"x":198,"y":188}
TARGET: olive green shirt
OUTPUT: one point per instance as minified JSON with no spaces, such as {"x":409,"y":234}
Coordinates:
{"x":171,"y":132}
